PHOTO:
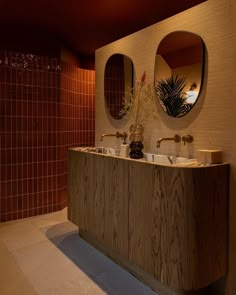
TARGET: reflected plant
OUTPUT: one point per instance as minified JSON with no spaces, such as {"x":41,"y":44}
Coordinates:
{"x":171,"y":95}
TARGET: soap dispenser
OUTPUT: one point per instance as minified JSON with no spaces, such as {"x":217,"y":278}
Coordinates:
{"x":124,"y":149}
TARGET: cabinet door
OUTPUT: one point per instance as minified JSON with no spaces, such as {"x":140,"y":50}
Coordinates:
{"x":74,"y":161}
{"x":141,"y":181}
{"x":103,"y":202}
{"x":116,"y":205}
{"x":91,"y":197}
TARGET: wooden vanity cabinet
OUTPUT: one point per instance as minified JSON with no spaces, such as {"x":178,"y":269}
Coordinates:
{"x":166,"y":225}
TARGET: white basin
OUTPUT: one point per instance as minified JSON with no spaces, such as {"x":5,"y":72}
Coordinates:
{"x":148,"y":157}
{"x":111,"y":151}
{"x":158,"y":159}
{"x":166,"y":160}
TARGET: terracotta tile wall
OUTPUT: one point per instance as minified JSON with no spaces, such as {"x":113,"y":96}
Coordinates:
{"x":43,"y":111}
{"x":77,"y":112}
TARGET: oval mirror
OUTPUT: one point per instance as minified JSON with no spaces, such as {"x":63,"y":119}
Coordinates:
{"x":118,"y":81}
{"x":179,"y":71}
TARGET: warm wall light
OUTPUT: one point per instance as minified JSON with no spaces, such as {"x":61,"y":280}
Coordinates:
{"x":192,"y":94}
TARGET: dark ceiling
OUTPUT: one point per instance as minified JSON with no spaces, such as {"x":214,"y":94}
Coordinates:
{"x":84,"y":26}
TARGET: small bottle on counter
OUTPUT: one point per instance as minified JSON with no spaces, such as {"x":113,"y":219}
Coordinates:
{"x":124,"y":150}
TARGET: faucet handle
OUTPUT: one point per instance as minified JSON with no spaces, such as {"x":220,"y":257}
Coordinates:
{"x":187,"y":138}
{"x":122,"y":135}
{"x":125,"y":135}
{"x":177,"y":138}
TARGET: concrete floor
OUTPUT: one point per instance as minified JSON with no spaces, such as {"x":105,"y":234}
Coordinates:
{"x":44,"y":255}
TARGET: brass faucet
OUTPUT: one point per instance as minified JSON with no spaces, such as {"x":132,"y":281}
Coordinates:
{"x":117,"y":135}
{"x":176,"y":138}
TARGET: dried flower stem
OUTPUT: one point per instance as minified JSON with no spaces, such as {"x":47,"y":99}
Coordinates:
{"x":140,"y":102}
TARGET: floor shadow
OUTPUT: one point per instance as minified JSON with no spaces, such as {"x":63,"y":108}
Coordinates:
{"x":103,"y":271}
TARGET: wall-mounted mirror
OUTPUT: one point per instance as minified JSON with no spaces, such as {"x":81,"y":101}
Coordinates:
{"x":118,"y":81}
{"x":179,"y":68}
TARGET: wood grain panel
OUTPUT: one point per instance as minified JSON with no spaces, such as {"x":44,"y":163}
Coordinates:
{"x":140,"y":189}
{"x":116,"y":210}
{"x":101,"y":186}
{"x":73,"y":187}
{"x":96,"y":193}
{"x":190,"y":220}
{"x":84,"y":178}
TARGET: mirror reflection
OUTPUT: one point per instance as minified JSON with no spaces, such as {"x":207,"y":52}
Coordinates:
{"x":179,"y":72}
{"x":118,"y":81}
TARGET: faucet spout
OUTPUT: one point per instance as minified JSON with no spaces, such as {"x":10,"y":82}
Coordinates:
{"x":117,"y":135}
{"x":106,"y":134}
{"x":176,"y":138}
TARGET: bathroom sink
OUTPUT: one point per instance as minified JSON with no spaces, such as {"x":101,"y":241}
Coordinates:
{"x":167,"y":160}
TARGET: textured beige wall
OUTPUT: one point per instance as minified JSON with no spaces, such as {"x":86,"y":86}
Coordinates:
{"x":162,"y":69}
{"x":213,"y":118}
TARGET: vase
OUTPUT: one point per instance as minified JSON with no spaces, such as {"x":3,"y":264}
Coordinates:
{"x":136,"y":141}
